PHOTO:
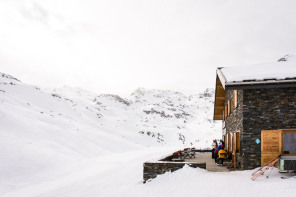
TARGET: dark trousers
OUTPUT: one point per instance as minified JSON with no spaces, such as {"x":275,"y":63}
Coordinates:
{"x":216,"y":157}
{"x":213,"y":153}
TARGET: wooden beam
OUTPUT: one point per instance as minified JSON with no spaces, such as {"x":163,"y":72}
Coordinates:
{"x":220,"y":98}
{"x":219,"y":107}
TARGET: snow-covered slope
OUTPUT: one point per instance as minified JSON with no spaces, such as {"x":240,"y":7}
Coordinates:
{"x":152,"y":117}
{"x":39,"y":131}
{"x":46,"y":131}
{"x":147,"y":117}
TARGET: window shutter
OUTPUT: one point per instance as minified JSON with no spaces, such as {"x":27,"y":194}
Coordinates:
{"x":235,"y":99}
{"x":227,"y":141}
{"x":228,"y":105}
{"x":231,"y":142}
{"x":237,"y":142}
{"x":226,"y":111}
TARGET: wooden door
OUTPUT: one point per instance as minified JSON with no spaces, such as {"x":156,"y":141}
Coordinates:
{"x":271,"y":145}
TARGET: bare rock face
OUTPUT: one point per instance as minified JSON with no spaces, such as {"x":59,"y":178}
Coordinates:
{"x":9,"y":77}
{"x":115,"y":98}
{"x":287,"y":58}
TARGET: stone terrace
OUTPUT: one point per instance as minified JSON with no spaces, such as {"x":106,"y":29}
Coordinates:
{"x":210,"y":163}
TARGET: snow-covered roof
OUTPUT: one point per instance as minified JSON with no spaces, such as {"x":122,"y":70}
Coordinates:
{"x":271,"y":75}
{"x":282,"y":71}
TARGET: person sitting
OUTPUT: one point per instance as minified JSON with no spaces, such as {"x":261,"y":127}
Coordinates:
{"x":221,"y":156}
{"x":214,"y":146}
{"x":221,"y":146}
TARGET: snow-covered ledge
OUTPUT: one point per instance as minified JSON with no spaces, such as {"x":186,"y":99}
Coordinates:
{"x":152,"y":169}
{"x":163,"y":165}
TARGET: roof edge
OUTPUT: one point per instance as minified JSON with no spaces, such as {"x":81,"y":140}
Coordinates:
{"x":261,"y":82}
{"x":221,"y":77}
{"x":260,"y":86}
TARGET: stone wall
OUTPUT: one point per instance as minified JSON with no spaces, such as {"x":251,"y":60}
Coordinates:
{"x":259,"y":109}
{"x":234,"y":122}
{"x":264,"y":109}
{"x":152,"y":169}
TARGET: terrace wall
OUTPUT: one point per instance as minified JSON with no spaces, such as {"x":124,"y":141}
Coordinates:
{"x":152,"y":169}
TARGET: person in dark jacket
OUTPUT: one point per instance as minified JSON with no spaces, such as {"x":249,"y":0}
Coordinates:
{"x":221,"y":146}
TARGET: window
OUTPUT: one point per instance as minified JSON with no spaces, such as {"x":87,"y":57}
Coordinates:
{"x":289,"y":143}
{"x":237,"y":142}
{"x":230,"y":105}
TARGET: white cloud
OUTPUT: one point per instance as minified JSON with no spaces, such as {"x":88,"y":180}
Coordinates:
{"x":116,"y":46}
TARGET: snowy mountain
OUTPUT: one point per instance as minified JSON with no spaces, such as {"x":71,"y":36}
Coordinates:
{"x":151,"y":117}
{"x":45,"y":131}
{"x":147,"y":117}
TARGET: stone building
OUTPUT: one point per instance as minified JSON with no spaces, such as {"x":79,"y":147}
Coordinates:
{"x":257,"y":106}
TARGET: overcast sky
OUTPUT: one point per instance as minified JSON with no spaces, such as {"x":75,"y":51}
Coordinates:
{"x":117,"y":46}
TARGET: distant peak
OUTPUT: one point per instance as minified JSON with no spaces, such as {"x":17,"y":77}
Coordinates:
{"x":139,"y":91}
{"x":116,"y":98}
{"x":287,"y":57}
{"x":143,"y":91}
{"x":9,"y":77}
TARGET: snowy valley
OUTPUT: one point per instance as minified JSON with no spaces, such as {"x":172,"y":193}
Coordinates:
{"x":71,"y":142}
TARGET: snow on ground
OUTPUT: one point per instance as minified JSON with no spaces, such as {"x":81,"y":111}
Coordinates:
{"x":121,"y":175}
{"x":70,"y":142}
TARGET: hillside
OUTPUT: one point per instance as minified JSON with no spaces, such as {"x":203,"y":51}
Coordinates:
{"x":48,"y":132}
{"x":151,"y":117}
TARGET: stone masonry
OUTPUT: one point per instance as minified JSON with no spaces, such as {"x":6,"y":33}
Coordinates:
{"x":265,"y":109}
{"x":234,"y":123}
{"x":259,"y":109}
